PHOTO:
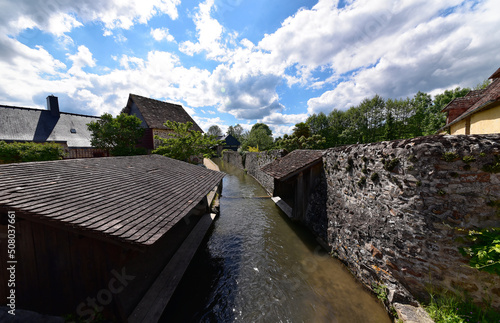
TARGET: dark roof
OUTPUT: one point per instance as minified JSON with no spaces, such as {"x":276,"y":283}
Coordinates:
{"x":229,"y":139}
{"x":155,"y":113}
{"x":293,"y":163}
{"x":26,"y":124}
{"x":479,"y":100}
{"x":134,"y":199}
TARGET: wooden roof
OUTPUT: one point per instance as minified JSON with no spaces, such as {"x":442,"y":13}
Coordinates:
{"x":293,"y":163}
{"x":26,"y":124}
{"x":134,"y":199}
{"x":155,"y":113}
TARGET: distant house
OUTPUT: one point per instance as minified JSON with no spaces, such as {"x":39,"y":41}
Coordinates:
{"x":36,"y":125}
{"x":476,"y":113}
{"x":154,"y":114}
{"x":230,"y":143}
{"x":100,"y":234}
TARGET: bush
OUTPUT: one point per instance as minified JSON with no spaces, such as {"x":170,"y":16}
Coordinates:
{"x":29,"y":151}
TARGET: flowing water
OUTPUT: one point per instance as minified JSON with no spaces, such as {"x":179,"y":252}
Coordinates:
{"x":257,"y":266}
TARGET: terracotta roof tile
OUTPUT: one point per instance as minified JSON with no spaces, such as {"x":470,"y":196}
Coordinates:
{"x":292,"y":163}
{"x":134,"y":199}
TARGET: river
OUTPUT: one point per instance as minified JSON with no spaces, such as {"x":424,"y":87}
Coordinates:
{"x":257,"y":266}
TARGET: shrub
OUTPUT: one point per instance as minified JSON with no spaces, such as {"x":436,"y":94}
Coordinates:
{"x":29,"y":151}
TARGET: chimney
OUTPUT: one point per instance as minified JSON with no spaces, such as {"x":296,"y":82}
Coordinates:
{"x":53,"y":105}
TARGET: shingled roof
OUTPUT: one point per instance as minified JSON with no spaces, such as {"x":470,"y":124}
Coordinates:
{"x":26,"y":124}
{"x":293,"y":163}
{"x":475,"y":101}
{"x":134,"y":199}
{"x":155,"y":113}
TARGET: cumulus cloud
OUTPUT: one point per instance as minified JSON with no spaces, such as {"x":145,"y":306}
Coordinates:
{"x":160,"y":34}
{"x":211,"y":35}
{"x":60,"y":16}
{"x":81,"y":59}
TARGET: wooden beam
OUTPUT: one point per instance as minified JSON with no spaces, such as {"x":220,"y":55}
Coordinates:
{"x":152,"y":305}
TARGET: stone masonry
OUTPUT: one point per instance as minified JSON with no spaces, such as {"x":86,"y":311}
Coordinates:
{"x":398,"y":212}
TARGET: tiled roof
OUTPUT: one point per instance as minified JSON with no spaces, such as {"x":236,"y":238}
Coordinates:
{"x":292,"y":163}
{"x":479,"y":101}
{"x":155,"y":113}
{"x":495,"y":75}
{"x":134,"y":199}
{"x":464,"y":102}
{"x":25,"y":124}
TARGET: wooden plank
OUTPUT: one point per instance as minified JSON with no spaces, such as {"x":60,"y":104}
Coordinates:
{"x":152,"y":305}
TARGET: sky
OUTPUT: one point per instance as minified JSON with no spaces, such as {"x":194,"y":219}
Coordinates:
{"x":234,"y":62}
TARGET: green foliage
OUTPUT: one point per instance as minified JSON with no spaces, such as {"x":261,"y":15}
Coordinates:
{"x":469,"y":159}
{"x":483,"y":85}
{"x":484,"y":253}
{"x":448,"y":308}
{"x":301,"y":130}
{"x":493,"y":167}
{"x":214,"y":130}
{"x":260,"y":136}
{"x":380,"y":290}
{"x":450,"y":156}
{"x":362,"y":181}
{"x":29,"y":151}
{"x":441,"y":192}
{"x":183,"y":143}
{"x":390,"y":164}
{"x":119,"y":135}
{"x":374,"y":177}
{"x":292,"y":142}
{"x":236,"y":132}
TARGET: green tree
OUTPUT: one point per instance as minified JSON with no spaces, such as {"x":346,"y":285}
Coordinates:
{"x":436,"y":119}
{"x":236,"y":131}
{"x":260,"y":136}
{"x":483,"y":85}
{"x":421,"y":103}
{"x":119,"y":136}
{"x":291,"y":143}
{"x":214,"y":130}
{"x":184,"y":143}
{"x":301,"y":130}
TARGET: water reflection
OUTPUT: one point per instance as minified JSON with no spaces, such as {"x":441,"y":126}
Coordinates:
{"x":260,"y":267}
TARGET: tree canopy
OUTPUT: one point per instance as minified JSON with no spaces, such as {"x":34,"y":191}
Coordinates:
{"x":260,"y":136}
{"x":119,"y":136}
{"x":236,"y":131}
{"x":214,"y":130}
{"x":183,"y":143}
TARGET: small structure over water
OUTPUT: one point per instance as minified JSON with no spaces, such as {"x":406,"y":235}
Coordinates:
{"x":295,"y":177}
{"x":95,"y":235}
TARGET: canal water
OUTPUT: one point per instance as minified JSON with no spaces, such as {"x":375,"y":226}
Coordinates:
{"x":257,"y":266}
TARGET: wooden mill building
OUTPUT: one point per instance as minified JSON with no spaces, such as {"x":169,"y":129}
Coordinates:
{"x":96,"y":235}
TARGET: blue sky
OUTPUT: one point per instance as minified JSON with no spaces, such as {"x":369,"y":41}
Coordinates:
{"x":240,"y":61}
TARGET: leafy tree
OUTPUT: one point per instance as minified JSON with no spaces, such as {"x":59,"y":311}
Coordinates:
{"x":119,"y":135}
{"x":293,"y":142}
{"x":435,"y":118}
{"x":301,"y":130}
{"x":214,"y":130}
{"x":389,"y":132}
{"x":264,"y":126}
{"x":184,"y":143}
{"x":236,"y":131}
{"x":260,"y":136}
{"x":420,"y":103}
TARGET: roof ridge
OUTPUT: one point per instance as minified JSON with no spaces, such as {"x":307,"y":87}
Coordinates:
{"x":35,"y":109}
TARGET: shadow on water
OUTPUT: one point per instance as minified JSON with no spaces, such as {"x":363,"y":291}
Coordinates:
{"x":259,"y":266}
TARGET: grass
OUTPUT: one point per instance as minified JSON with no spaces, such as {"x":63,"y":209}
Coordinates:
{"x":451,"y":308}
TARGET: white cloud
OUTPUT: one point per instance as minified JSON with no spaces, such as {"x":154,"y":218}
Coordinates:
{"x":60,"y":16}
{"x":81,"y":59}
{"x":160,"y":34}
{"x":210,"y":35}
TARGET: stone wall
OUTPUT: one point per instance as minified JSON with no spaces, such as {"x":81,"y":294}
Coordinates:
{"x":398,"y":212}
{"x":232,"y":157}
{"x":253,"y":162}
